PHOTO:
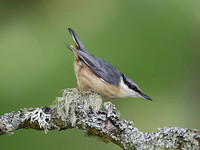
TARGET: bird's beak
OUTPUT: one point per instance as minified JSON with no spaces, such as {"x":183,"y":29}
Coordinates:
{"x":77,"y":41}
{"x":145,"y":96}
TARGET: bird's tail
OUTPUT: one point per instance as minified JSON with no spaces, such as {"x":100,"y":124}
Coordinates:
{"x":78,"y":43}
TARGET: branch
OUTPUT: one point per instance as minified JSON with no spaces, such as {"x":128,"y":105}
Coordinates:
{"x":74,"y":110}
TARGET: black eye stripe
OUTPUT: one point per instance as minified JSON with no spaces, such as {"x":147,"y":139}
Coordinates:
{"x":130,"y":85}
{"x":135,"y":89}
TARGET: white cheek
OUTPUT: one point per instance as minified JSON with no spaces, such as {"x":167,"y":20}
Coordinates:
{"x":129,"y":92}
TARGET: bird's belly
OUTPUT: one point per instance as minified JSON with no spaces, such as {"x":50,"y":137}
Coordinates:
{"x":89,"y":81}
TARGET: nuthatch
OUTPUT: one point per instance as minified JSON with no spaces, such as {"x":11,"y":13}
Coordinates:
{"x":98,"y":75}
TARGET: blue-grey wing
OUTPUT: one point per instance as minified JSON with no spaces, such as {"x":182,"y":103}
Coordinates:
{"x":101,"y":68}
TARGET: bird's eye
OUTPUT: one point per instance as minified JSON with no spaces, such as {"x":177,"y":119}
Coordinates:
{"x":135,"y":89}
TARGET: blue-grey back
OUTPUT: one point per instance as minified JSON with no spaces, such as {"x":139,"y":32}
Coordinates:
{"x":100,"y":67}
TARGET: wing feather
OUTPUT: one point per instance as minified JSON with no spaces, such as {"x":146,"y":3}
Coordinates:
{"x":100,"y":67}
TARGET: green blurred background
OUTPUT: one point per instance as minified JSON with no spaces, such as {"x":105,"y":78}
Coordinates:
{"x":156,"y":43}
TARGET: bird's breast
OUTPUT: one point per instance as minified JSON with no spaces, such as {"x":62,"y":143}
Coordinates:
{"x":89,"y":81}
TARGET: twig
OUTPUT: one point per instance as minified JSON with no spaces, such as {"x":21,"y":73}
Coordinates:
{"x":74,"y":110}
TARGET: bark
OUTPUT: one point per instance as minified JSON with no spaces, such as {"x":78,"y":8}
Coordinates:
{"x":75,"y":110}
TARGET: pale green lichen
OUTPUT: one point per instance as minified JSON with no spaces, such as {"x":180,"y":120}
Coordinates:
{"x":6,"y":123}
{"x":72,"y":99}
{"x":11,"y":121}
{"x":83,"y":111}
{"x":38,"y":116}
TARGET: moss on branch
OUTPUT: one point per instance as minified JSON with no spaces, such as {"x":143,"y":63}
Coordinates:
{"x":74,"y":110}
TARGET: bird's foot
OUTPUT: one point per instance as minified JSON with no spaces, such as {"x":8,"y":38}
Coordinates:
{"x":83,"y":91}
{"x":79,"y":89}
{"x":72,"y":89}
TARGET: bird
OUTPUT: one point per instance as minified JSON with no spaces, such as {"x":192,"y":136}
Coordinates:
{"x":97,"y":75}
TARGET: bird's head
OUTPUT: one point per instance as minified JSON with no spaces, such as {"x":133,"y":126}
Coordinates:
{"x":132,"y":89}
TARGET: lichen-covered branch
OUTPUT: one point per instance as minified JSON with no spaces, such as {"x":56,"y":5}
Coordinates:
{"x":74,"y":110}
